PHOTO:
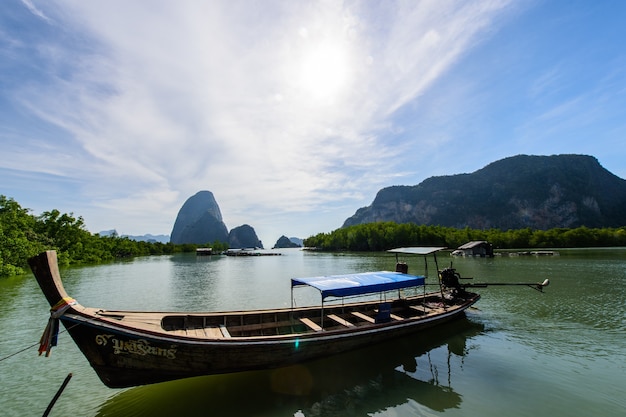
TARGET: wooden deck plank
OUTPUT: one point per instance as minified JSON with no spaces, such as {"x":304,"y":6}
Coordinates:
{"x":180,"y":332}
{"x":311,"y":324}
{"x":363,"y":316}
{"x":144,"y":325}
{"x":213,"y":332}
{"x":199,"y":332}
{"x":263,"y":326}
{"x":144,"y":318}
{"x":339,"y":320}
{"x":207,"y":332}
{"x":428,"y":310}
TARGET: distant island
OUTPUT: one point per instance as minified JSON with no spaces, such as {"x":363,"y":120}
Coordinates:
{"x":285,"y":242}
{"x":140,"y":238}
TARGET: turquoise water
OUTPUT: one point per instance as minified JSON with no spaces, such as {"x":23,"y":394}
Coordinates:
{"x":518,"y":353}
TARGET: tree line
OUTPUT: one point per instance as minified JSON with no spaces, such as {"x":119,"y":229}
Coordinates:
{"x":382,"y":236}
{"x":23,"y":235}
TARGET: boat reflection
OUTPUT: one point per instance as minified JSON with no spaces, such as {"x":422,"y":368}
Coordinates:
{"x":417,"y":369}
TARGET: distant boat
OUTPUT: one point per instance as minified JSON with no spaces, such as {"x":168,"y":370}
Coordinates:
{"x":249,"y":252}
{"x":128,"y":348}
{"x":545,"y":253}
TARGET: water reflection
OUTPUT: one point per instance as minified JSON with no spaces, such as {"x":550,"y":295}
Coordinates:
{"x":419,"y":368}
{"x":195,"y":279}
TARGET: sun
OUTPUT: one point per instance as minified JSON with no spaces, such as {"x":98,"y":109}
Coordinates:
{"x":324,"y":71}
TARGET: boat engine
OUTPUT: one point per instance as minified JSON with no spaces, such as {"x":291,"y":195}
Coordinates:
{"x":450,"y":279}
{"x":402,"y":267}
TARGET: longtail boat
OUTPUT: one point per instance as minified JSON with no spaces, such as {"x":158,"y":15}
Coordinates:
{"x":128,"y":348}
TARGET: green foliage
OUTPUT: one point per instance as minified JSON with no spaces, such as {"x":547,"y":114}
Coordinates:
{"x":387,"y":235}
{"x":18,"y":238}
{"x":23,"y":235}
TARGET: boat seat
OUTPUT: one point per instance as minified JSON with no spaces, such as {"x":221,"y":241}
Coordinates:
{"x":363,"y":316}
{"x":339,"y":320}
{"x":224,"y":331}
{"x":311,"y":324}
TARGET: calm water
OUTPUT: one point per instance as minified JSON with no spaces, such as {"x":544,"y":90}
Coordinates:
{"x":519,"y":353}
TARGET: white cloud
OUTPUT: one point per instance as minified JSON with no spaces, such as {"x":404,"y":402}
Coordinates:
{"x":275,"y":106}
{"x":34,"y":10}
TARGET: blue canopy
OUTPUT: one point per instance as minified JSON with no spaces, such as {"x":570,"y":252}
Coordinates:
{"x":359,"y":284}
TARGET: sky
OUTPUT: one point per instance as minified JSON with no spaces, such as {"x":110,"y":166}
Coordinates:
{"x":294,"y":114}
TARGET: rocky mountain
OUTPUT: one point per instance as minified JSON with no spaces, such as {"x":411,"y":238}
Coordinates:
{"x":285,"y":242}
{"x":298,"y":241}
{"x":199,"y":221}
{"x":243,"y":237}
{"x":111,"y":232}
{"x":139,"y":238}
{"x":539,"y":192}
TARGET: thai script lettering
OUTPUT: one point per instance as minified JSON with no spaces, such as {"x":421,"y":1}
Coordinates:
{"x":139,"y":347}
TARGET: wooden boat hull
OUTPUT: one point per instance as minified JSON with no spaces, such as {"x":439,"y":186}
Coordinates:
{"x":158,"y":347}
{"x":123,"y":358}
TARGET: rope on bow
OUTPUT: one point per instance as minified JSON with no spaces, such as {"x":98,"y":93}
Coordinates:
{"x":51,"y":333}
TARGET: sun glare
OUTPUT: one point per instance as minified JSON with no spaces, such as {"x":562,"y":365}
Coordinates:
{"x":324,"y":71}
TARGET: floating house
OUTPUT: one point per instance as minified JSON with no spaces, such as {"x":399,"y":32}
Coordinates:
{"x":204,"y":251}
{"x":480,"y":248}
